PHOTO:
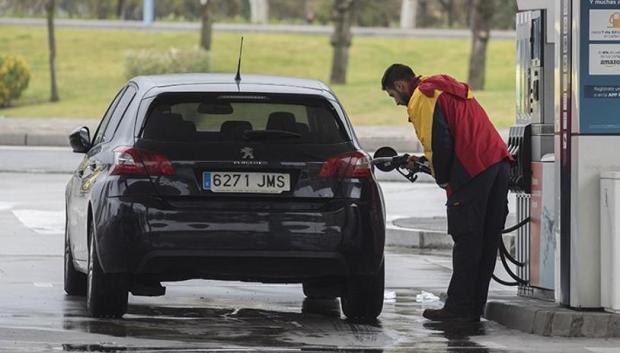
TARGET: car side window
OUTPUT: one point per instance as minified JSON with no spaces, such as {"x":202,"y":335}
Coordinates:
{"x":106,"y":117}
{"x":119,"y":112}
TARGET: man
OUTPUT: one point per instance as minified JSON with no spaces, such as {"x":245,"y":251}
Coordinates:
{"x":469,"y":159}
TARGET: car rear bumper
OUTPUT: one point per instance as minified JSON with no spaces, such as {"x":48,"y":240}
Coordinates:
{"x":148,"y":237}
{"x":263,"y":266}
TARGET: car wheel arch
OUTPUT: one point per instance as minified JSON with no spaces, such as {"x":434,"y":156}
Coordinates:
{"x":91,"y":236}
{"x":68,"y":236}
{"x":89,"y":223}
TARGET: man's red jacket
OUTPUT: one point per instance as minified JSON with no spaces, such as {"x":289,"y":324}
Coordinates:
{"x":458,"y":138}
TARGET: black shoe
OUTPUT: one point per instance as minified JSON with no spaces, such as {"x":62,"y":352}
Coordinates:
{"x":445,"y":315}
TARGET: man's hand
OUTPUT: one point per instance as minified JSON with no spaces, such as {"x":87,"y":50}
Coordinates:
{"x":411,"y":162}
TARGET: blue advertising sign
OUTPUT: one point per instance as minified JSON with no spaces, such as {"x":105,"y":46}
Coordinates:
{"x":599,"y":110}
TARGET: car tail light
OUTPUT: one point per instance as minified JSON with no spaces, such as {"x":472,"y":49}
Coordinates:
{"x":352,"y":165}
{"x":136,"y":162}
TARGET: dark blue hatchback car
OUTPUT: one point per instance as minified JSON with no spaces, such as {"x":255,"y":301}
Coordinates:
{"x":198,"y":176}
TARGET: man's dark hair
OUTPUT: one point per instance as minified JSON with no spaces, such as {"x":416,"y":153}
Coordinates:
{"x":396,"y":72}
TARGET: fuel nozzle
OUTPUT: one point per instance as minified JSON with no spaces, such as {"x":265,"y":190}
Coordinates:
{"x":387,"y":159}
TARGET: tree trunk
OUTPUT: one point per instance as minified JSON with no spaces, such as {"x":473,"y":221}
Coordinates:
{"x":448,"y":9}
{"x":309,"y":11}
{"x":481,"y":32}
{"x":206,"y":30}
{"x":101,"y":9}
{"x":469,"y":4}
{"x":259,"y":11}
{"x":408,"y":13}
{"x":49,"y":8}
{"x":451,"y":14}
{"x":120,"y":9}
{"x":422,"y":19}
{"x":342,"y":15}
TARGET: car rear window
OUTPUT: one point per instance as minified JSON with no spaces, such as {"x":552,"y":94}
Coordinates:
{"x":201,"y":117}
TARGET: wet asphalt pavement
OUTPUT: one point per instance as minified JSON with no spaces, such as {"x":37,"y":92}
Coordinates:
{"x":202,"y":315}
{"x":209,"y":315}
{"x":199,"y":316}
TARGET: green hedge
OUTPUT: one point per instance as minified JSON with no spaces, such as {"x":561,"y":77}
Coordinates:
{"x":14,"y":78}
{"x":153,"y":62}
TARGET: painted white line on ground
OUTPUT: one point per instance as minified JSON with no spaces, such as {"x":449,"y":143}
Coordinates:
{"x":487,"y":344}
{"x":391,"y":217}
{"x":42,"y":222}
{"x":42,"y":284}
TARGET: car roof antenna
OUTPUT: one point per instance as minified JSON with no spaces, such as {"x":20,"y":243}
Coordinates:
{"x":238,"y":75}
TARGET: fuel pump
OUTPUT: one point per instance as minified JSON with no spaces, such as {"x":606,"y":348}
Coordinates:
{"x":566,"y":135}
{"x":531,"y":143}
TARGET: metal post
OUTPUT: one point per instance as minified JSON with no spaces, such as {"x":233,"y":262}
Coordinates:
{"x":148,"y":12}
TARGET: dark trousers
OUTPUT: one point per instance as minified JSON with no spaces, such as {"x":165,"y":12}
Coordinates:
{"x":476,"y":217}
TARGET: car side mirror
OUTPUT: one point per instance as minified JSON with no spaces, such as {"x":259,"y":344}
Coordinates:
{"x":80,"y":140}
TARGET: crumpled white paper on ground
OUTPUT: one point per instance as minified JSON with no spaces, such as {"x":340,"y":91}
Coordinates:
{"x":426,"y":297}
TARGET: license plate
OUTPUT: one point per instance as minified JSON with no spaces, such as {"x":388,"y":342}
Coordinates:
{"x":268,"y":183}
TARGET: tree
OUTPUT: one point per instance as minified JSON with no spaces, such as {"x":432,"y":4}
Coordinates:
{"x":423,"y":18}
{"x":206,"y":31}
{"x":101,"y":9}
{"x":342,"y":15}
{"x":481,"y":32}
{"x":49,"y":8}
{"x":469,"y":4}
{"x":259,"y":11}
{"x":448,"y":9}
{"x":120,"y":9}
{"x":309,"y":12}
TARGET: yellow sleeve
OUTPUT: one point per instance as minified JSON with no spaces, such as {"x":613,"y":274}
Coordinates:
{"x":421,"y":109}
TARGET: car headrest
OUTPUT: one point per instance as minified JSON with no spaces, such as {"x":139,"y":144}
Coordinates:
{"x":282,"y":121}
{"x":235,"y":128}
{"x":161,"y":109}
{"x":168,"y":126}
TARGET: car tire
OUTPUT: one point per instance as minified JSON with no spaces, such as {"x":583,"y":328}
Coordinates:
{"x":106,"y":294}
{"x":75,"y":281}
{"x":321,"y":290}
{"x":363,"y":296}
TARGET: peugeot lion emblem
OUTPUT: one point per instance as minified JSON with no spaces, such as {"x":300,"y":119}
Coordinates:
{"x":247,"y":153}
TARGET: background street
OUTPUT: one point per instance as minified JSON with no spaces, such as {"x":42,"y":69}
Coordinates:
{"x":36,"y":315}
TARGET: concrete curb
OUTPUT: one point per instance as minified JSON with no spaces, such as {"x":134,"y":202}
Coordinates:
{"x":26,"y":139}
{"x":13,"y":139}
{"x":416,"y":238}
{"x":425,"y":239}
{"x":550,"y":319}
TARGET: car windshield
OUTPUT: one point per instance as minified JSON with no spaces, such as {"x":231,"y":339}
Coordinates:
{"x":202,"y":117}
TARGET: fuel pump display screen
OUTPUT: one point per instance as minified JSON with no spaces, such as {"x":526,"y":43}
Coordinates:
{"x":599,"y":30}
